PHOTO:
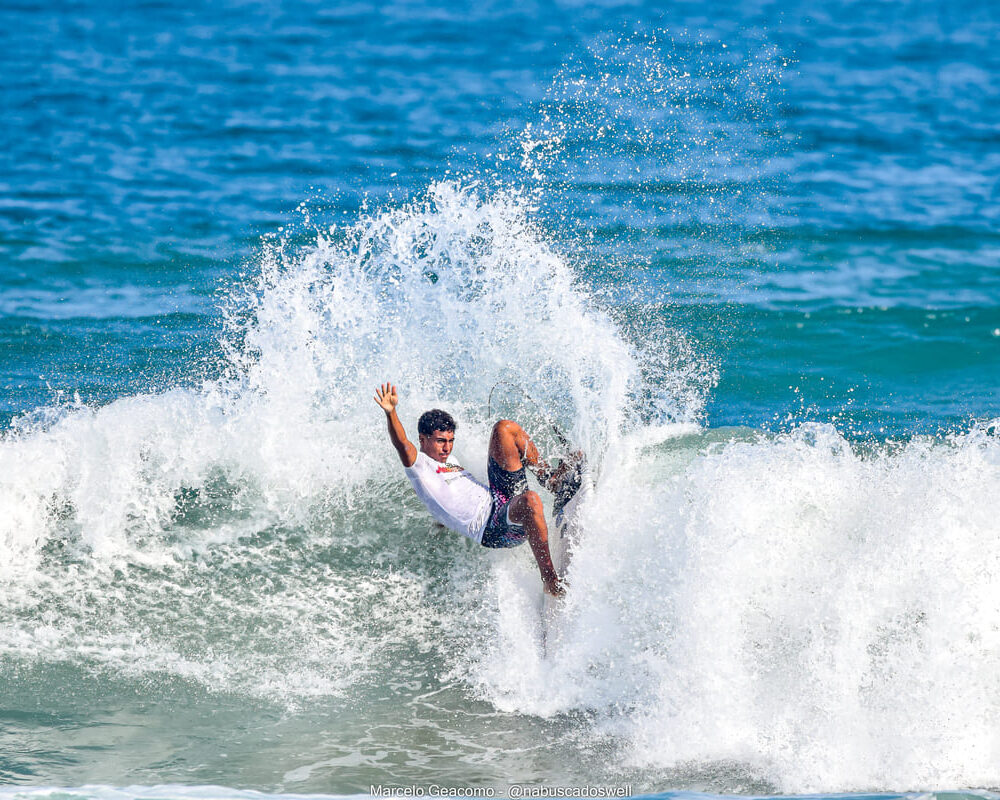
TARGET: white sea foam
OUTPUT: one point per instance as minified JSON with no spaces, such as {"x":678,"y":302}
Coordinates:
{"x":829,"y":620}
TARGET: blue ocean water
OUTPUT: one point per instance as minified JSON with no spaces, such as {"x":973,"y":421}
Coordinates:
{"x":747,"y":256}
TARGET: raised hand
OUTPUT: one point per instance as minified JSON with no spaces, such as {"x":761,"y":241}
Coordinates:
{"x":387,"y":397}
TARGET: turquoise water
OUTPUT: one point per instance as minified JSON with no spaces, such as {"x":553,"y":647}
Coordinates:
{"x":747,"y":258}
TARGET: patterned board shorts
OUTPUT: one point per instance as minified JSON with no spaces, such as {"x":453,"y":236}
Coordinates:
{"x":500,"y":531}
{"x":504,"y":486}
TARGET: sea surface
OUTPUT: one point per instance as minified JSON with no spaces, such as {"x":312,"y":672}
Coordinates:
{"x":745,"y":256}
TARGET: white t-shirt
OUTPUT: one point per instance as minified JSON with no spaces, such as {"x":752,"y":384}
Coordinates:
{"x":455,"y":499}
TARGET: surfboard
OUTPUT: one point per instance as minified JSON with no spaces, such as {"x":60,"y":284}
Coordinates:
{"x":571,"y":496}
{"x":508,"y":399}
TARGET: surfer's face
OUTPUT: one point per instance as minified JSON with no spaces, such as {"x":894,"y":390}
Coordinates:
{"x":438,"y":445}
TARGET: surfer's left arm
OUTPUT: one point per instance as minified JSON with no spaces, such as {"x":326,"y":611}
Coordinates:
{"x":387,"y":399}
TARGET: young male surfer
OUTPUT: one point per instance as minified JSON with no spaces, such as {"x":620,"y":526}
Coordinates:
{"x":505,"y":515}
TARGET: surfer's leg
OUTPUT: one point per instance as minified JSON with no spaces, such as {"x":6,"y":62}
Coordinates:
{"x":511,"y":447}
{"x":526,"y":510}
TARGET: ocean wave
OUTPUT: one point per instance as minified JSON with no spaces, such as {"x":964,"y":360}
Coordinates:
{"x":817,"y":612}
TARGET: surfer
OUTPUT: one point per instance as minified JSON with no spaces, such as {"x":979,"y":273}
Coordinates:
{"x":505,"y":515}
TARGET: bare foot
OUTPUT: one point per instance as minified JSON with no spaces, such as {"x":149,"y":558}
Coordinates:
{"x":555,"y":588}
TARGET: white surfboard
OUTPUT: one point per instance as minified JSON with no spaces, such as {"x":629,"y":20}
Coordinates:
{"x":572,"y":495}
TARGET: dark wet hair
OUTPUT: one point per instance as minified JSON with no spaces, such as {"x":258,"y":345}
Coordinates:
{"x":435,"y":420}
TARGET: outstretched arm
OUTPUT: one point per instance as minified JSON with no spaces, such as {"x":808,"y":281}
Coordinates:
{"x":387,"y":399}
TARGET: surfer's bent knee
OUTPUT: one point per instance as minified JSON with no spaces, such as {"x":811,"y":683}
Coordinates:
{"x":504,"y":428}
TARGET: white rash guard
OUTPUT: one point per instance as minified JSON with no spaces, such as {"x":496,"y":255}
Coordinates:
{"x":455,"y":499}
